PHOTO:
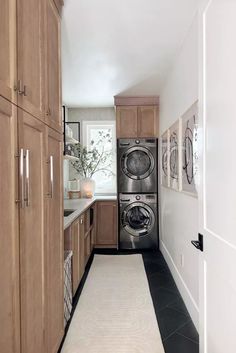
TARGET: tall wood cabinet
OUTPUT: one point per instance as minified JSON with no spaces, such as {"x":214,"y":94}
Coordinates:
{"x":9,"y":231}
{"x":54,"y":242}
{"x":31,"y":216}
{"x":32,"y":231}
{"x":30,"y":62}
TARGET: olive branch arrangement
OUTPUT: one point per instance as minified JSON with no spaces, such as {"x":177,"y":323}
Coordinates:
{"x":95,"y":159}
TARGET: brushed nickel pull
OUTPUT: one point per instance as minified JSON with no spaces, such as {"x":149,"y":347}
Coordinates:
{"x":22,"y":179}
{"x":27,"y":179}
{"x":81,"y":221}
{"x":22,"y":92}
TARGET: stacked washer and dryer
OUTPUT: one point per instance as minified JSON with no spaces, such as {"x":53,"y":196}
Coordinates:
{"x":137,"y":189}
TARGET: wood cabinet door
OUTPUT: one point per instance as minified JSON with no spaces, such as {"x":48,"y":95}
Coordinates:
{"x":126,"y":122}
{"x":106,"y":223}
{"x":53,"y":35}
{"x":32,"y":232}
{"x":75,"y":257}
{"x":8,"y":49}
{"x":31,"y":56}
{"x":147,"y":121}
{"x":81,"y":247}
{"x":78,"y":252}
{"x":9,"y":233}
{"x":54,"y":247}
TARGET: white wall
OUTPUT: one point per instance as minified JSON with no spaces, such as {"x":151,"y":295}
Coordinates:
{"x":179,"y":212}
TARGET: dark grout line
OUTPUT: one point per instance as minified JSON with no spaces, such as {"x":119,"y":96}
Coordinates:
{"x":175,"y":331}
{"x":188,"y":338}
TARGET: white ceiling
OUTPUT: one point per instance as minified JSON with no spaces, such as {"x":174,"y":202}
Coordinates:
{"x":119,"y":47}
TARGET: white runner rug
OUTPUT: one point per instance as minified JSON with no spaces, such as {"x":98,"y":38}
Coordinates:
{"x":115,"y":312}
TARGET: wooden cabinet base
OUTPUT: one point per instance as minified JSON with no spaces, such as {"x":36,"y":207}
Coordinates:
{"x":106,"y":235}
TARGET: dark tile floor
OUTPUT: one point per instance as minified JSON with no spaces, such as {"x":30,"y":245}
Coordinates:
{"x":177,"y":329}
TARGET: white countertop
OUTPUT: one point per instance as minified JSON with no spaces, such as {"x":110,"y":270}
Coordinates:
{"x":81,"y":205}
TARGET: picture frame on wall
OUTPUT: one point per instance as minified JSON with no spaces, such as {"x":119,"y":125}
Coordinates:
{"x":174,"y":155}
{"x":165,"y":170}
{"x":189,"y":168}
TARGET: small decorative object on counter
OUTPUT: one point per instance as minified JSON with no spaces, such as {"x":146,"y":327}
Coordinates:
{"x":74,"y":195}
{"x":74,"y":185}
{"x":74,"y":189}
{"x":87,"y":187}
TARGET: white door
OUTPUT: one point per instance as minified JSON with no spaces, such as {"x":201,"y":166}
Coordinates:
{"x":217,"y":199}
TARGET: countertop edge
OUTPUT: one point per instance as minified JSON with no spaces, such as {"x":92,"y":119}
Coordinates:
{"x":80,"y":209}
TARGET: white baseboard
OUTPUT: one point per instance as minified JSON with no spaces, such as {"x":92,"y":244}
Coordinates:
{"x":182,"y":287}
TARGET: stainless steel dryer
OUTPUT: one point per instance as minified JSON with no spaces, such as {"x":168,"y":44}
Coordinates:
{"x":137,"y":165}
{"x":138,"y":221}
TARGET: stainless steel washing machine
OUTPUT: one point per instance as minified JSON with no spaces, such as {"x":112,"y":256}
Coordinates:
{"x":137,"y":165}
{"x":138,"y":221}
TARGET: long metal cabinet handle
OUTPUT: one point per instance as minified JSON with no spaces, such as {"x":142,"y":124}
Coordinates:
{"x":22,"y":178}
{"x":27,"y":178}
{"x":51,"y":177}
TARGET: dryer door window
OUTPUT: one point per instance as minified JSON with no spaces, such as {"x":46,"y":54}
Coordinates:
{"x":137,"y":163}
{"x":138,"y":219}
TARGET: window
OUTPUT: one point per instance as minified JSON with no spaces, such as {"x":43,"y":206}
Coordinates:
{"x":101,"y":134}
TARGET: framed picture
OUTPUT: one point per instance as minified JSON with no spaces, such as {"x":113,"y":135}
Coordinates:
{"x":174,"y":141}
{"x":165,"y":170}
{"x":190,"y":150}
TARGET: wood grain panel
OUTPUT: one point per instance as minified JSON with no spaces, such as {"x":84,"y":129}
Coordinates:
{"x":53,"y":35}
{"x":32,"y":237}
{"x":54,"y":245}
{"x":126,"y":122}
{"x":147,"y":121}
{"x":30,"y":56}
{"x":9,"y":232}
{"x":8,"y":49}
{"x":106,"y":223}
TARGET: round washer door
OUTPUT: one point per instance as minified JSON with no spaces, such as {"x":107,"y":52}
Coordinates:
{"x":137,"y":163}
{"x":138,"y":219}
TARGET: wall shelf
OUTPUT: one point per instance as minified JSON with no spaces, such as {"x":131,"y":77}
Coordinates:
{"x":71,"y":158}
{"x":71,"y":141}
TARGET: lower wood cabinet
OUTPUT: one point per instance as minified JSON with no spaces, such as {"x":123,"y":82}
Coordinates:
{"x":78,"y":252}
{"x":87,"y":247}
{"x":106,"y":234}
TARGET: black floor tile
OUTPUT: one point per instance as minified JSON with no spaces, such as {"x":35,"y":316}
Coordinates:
{"x":164,"y":280}
{"x":179,"y":344}
{"x":189,"y":331}
{"x":162,"y":297}
{"x":179,"y":306}
{"x":170,"y":321}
